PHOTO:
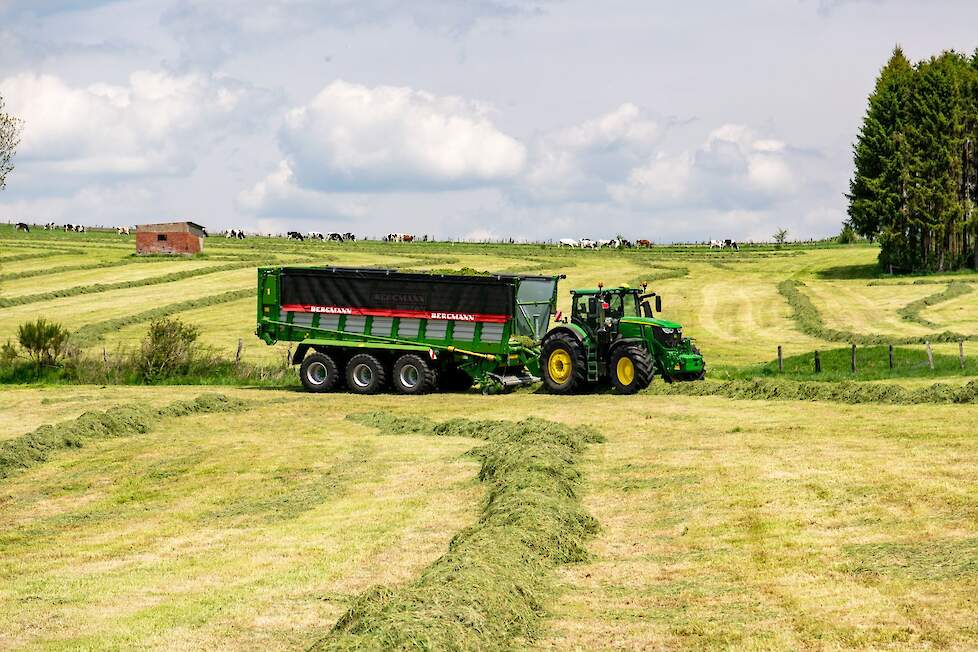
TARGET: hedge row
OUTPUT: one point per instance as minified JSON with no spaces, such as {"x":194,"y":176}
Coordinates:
{"x":490,"y":589}
{"x":839,"y":392}
{"x":36,"y":447}
{"x":810,"y":322}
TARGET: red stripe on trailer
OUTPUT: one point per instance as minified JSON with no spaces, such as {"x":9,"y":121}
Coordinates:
{"x":411,"y":314}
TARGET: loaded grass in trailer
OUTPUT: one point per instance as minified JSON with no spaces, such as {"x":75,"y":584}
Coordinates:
{"x":415,"y":332}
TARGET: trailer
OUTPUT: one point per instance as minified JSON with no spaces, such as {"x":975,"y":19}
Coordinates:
{"x":370,"y":329}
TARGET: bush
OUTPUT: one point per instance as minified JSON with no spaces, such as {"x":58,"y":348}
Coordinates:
{"x":45,"y":342}
{"x":168,"y":349}
{"x":847,"y":236}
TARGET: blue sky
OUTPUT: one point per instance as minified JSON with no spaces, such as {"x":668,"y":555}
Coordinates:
{"x":488,"y":118}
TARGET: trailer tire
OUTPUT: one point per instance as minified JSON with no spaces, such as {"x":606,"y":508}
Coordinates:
{"x":365,"y":374}
{"x":567,"y":372}
{"x":631,"y":369}
{"x":413,"y":375}
{"x":319,"y":372}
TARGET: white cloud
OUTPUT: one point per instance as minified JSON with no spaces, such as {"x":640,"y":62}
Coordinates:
{"x":577,"y":163}
{"x":277,"y":196}
{"x":154,"y":125}
{"x":352,"y":137}
{"x":733,"y":170}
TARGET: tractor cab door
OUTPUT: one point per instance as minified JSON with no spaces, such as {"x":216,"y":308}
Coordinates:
{"x":585,"y":312}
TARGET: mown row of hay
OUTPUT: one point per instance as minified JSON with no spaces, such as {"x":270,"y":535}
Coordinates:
{"x":36,"y":447}
{"x":41,"y":254}
{"x":129,"y":260}
{"x":92,"y":333}
{"x":491,"y":588}
{"x":95,"y":288}
{"x":838,"y":392}
{"x":810,"y":322}
{"x":911,"y":311}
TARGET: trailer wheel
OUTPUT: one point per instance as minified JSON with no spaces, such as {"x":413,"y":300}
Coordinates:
{"x":563,"y":364}
{"x":319,"y":373}
{"x":631,"y":369}
{"x":365,"y":374}
{"x":413,"y":375}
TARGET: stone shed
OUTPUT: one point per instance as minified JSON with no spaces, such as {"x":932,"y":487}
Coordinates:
{"x":185,"y":238}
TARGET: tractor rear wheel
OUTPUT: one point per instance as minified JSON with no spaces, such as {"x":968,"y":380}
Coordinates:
{"x":319,"y":372}
{"x":413,"y":375}
{"x":631,"y":369}
{"x":365,"y":374}
{"x":563,"y":364}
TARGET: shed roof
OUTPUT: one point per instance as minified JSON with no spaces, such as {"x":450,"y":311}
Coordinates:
{"x":170,"y":227}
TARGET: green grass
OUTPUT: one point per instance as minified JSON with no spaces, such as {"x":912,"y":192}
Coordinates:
{"x":872,"y":363}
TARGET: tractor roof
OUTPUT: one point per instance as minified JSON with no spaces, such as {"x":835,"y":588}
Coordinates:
{"x":621,"y":288}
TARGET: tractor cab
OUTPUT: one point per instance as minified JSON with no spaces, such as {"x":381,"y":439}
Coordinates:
{"x":604,"y":308}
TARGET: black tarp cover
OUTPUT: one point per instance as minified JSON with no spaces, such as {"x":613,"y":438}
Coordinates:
{"x":379,"y":290}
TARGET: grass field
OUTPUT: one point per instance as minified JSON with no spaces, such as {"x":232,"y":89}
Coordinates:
{"x":748,"y":524}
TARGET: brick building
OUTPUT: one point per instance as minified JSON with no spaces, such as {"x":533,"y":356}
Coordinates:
{"x":170,"y":238}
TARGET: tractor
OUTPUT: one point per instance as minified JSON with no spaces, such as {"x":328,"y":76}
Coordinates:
{"x":614,"y":338}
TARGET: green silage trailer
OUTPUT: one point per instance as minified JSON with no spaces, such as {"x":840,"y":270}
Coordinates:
{"x":370,"y":329}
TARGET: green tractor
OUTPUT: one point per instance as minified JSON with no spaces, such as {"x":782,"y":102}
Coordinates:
{"x":613,"y":337}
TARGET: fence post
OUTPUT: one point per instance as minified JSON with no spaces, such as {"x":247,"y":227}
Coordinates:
{"x":237,"y":354}
{"x":930,"y":357}
{"x":891,"y":355}
{"x":961,"y":353}
{"x":853,"y":358}
{"x":818,"y":363}
{"x":780,"y":360}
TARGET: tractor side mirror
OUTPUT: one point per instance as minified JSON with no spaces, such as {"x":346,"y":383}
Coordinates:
{"x":658,"y":303}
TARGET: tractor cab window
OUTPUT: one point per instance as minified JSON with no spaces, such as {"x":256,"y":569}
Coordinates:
{"x":615,"y":306}
{"x":630,"y":304}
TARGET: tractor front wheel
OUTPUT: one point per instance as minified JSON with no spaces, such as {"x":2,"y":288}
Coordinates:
{"x":631,"y":369}
{"x":563,"y":365}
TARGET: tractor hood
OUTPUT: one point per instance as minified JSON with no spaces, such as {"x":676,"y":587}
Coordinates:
{"x":650,"y":321}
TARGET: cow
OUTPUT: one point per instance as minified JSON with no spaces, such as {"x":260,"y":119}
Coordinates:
{"x":407,"y":237}
{"x":625,"y":244}
{"x":716,"y":244}
{"x":333,"y":236}
{"x":22,"y":226}
{"x":731,"y":244}
{"x":644,"y":243}
{"x":234,"y":234}
{"x":349,"y":237}
{"x":122,"y":230}
{"x":568,"y":242}
{"x":588,"y":243}
{"x":315,"y":235}
{"x":295,"y":235}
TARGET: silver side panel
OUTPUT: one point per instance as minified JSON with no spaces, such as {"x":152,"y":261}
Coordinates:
{"x":382,"y":326}
{"x":492,"y":332}
{"x":355,"y":324}
{"x":409,"y":328}
{"x":330,"y":322}
{"x":303,"y":319}
{"x":464,"y":331}
{"x":436,"y":329}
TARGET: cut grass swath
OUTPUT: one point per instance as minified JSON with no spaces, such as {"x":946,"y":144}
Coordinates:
{"x":838,"y":392}
{"x":489,"y":591}
{"x":92,"y":333}
{"x":810,"y":322}
{"x":34,"y":448}
{"x":95,"y":288}
{"x":911,"y":311}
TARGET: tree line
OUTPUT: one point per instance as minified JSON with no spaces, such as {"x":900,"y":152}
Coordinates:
{"x":916,"y":164}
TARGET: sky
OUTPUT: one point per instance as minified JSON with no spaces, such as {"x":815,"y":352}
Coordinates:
{"x":482,"y":119}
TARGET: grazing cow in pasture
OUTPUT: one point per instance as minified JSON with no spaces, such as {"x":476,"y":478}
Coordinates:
{"x":315,"y":235}
{"x":122,"y":230}
{"x":399,"y":237}
{"x":588,"y":243}
{"x":606,"y":243}
{"x":625,"y":244}
{"x":22,"y":226}
{"x":568,"y":242}
{"x":349,"y":237}
{"x":716,"y":244}
{"x":333,"y":236}
{"x":731,"y":244}
{"x":407,"y":237}
{"x":234,"y":234}
{"x":295,"y":235}
{"x":644,"y":243}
